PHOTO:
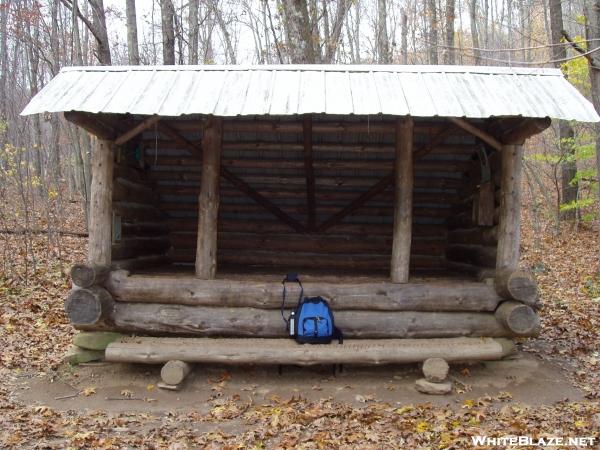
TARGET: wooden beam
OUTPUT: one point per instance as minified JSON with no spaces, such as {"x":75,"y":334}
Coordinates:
{"x":510,"y":207}
{"x":140,"y":127}
{"x":89,"y":123}
{"x":296,"y":126}
{"x":435,"y":295}
{"x":100,"y":226}
{"x":403,"y":175}
{"x":310,"y":174}
{"x":373,"y":191}
{"x":208,"y":210}
{"x":519,"y":133}
{"x":157,"y":318}
{"x":147,"y":350}
{"x":385,"y":182}
{"x":236,"y":181}
{"x":263,"y":201}
{"x":477,"y":132}
{"x":167,"y":129}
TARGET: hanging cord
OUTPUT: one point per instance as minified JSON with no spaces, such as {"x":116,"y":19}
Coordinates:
{"x":155,"y":144}
{"x":290,"y":277}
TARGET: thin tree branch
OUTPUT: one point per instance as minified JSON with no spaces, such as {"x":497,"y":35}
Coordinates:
{"x":578,"y":48}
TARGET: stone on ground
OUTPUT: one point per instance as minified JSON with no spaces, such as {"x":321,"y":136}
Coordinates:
{"x":95,"y":340}
{"x":77,"y":355}
{"x":435,"y":369}
{"x":427,"y":387}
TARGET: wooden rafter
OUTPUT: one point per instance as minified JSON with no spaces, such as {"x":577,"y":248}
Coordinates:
{"x":236,"y":181}
{"x":89,"y":123}
{"x":140,"y":127}
{"x":523,"y":130}
{"x":310,"y":174}
{"x":477,"y":132}
{"x":384,"y":183}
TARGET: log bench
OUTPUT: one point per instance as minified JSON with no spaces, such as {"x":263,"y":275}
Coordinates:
{"x":160,"y":350}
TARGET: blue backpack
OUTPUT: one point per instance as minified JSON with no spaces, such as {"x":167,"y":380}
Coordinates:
{"x":312,"y":320}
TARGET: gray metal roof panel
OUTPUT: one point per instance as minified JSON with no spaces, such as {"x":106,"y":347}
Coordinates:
{"x":420,"y":91}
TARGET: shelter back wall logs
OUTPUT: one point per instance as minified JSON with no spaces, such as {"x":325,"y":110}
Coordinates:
{"x":348,"y":158}
{"x":140,"y":229}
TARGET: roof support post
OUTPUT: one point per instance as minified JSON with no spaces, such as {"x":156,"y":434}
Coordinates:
{"x":510,"y":207}
{"x":403,"y":192}
{"x":310,"y":174}
{"x":100,"y":226}
{"x":208,"y":201}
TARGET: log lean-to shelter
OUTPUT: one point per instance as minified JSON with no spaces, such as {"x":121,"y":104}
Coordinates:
{"x":394,"y":191}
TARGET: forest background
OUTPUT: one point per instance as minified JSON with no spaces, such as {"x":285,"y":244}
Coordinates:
{"x":45,"y":161}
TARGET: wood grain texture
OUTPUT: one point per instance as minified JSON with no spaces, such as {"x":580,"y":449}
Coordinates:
{"x":509,"y":231}
{"x":403,"y":202}
{"x":154,"y":318}
{"x":456,"y":295}
{"x":285,"y":351}
{"x":519,"y":318}
{"x":100,"y":224}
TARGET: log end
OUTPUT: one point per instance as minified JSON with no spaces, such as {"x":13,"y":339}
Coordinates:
{"x":174,"y":372}
{"x":517,"y":285}
{"x":89,"y":306}
{"x":519,"y":318}
{"x":85,"y":275}
{"x":435,"y":370}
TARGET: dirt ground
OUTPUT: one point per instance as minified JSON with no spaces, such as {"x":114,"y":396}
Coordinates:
{"x":121,"y":388}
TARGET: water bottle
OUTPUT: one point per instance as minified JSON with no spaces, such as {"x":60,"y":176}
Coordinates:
{"x":293,"y":323}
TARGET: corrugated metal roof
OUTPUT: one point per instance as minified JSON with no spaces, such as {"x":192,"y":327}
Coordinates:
{"x":420,"y":91}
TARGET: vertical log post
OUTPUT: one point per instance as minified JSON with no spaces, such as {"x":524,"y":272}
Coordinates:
{"x":100,"y":226}
{"x":206,"y":250}
{"x":310,"y":175}
{"x":403,"y":176}
{"x":510,"y":207}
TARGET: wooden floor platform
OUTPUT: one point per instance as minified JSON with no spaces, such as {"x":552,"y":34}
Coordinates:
{"x":156,"y":350}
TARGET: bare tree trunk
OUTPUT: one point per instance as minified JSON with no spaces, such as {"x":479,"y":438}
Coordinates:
{"x":229,"y":48}
{"x":33,"y":56}
{"x":450,"y":51}
{"x":433,"y":32}
{"x":193,"y":26}
{"x":4,"y":59}
{"x":132,"y":34}
{"x":54,"y":123}
{"x":474,"y":36}
{"x":99,"y":31}
{"x":300,"y":46}
{"x":383,"y":51}
{"x":592,"y":33}
{"x":565,"y":131}
{"x":333,"y":39}
{"x":404,"y":44}
{"x":167,"y":15}
{"x":76,"y":43}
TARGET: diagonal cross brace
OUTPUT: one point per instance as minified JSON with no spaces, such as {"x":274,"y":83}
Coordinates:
{"x":384,"y":183}
{"x":237,"y":181}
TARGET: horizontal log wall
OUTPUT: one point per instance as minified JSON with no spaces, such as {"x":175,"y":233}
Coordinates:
{"x":348,"y":159}
{"x":154,"y":318}
{"x":432,"y":295}
{"x":473,"y":229}
{"x":144,"y":229}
